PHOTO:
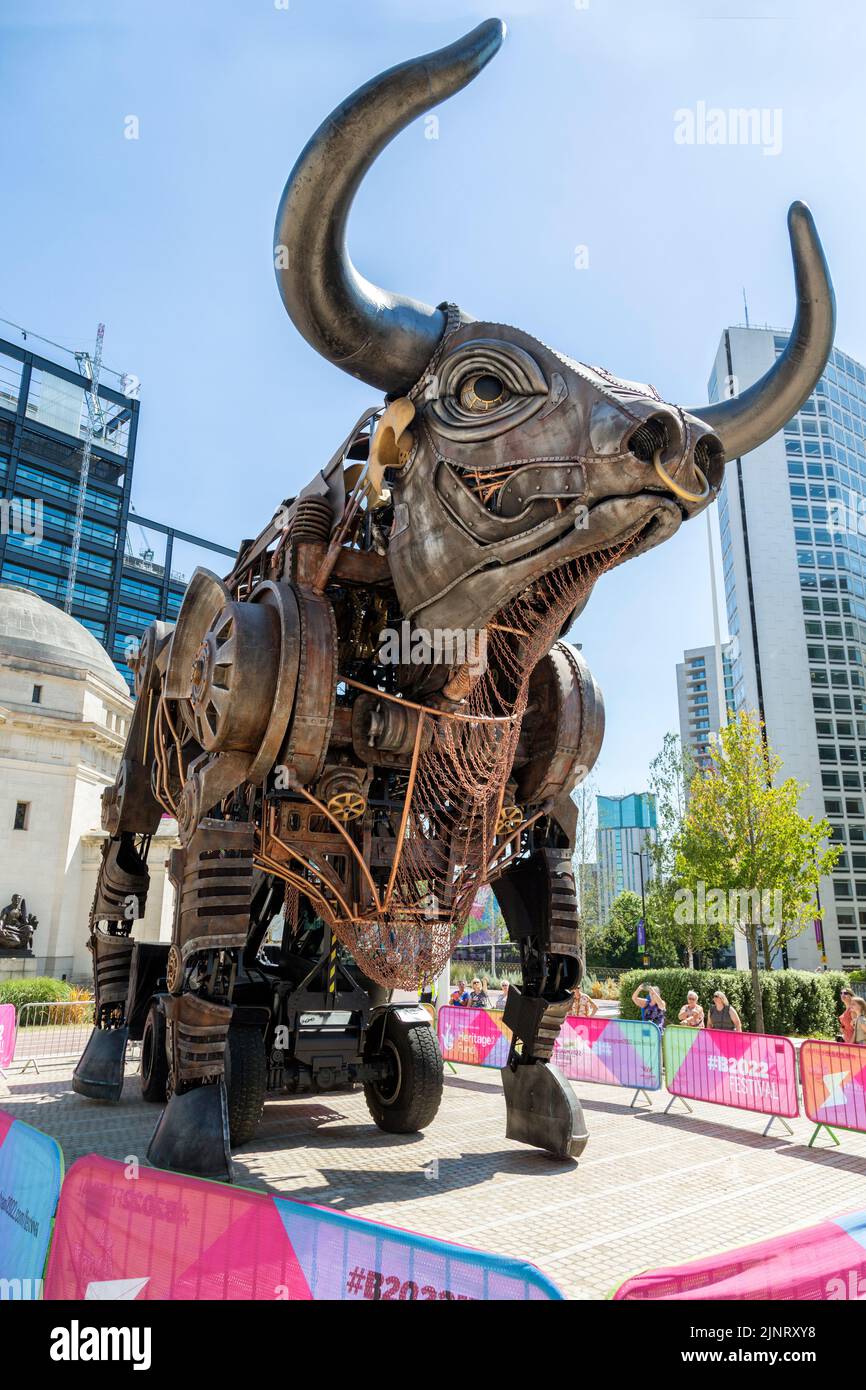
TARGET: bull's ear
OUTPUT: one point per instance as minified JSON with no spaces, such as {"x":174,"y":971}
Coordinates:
{"x":384,"y":339}
{"x":748,"y":420}
{"x":391,"y":446}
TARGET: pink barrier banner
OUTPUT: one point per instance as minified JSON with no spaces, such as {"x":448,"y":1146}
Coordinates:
{"x":7,"y":1034}
{"x":160,"y":1235}
{"x":611,"y":1051}
{"x":751,"y":1071}
{"x":834,"y":1083}
{"x":476,"y":1036}
{"x":824,"y":1262}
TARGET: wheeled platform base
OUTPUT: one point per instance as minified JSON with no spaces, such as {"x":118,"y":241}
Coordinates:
{"x":99,"y":1073}
{"x":542,"y":1110}
{"x":192,"y":1135}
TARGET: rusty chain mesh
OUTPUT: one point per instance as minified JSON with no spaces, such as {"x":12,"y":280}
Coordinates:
{"x":457,"y":794}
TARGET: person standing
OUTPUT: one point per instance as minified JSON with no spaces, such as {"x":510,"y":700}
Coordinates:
{"x":859,"y":1035}
{"x":582,"y":1005}
{"x":653,"y":1008}
{"x":847,"y":1017}
{"x":723,"y":1017}
{"x":691,"y":1014}
{"x":478,"y":997}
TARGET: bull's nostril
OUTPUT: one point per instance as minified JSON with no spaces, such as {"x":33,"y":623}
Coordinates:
{"x":648,"y":439}
{"x":710,"y":458}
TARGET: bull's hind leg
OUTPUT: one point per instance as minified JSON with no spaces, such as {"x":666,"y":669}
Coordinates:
{"x":121,"y":894}
{"x":537,"y":898}
{"x":213,"y":879}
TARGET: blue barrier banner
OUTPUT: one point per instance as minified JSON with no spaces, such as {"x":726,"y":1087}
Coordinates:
{"x":31,"y":1171}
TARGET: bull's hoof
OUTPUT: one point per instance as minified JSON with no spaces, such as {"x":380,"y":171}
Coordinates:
{"x":192,"y":1135}
{"x":99,"y":1073}
{"x":542,"y":1110}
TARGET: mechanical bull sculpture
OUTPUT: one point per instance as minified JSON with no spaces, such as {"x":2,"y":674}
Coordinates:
{"x":334,"y":756}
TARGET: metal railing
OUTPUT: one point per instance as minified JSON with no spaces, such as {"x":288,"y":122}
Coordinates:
{"x":53,"y":1033}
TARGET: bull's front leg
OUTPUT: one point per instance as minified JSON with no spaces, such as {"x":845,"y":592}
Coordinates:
{"x":213,"y":878}
{"x":537,"y":898}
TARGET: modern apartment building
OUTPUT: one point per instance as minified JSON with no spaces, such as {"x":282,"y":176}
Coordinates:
{"x":701,"y":704}
{"x":793,"y":535}
{"x":626,"y":825}
{"x":129,"y":570}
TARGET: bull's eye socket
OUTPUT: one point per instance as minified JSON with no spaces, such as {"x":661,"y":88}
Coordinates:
{"x":482,"y":392}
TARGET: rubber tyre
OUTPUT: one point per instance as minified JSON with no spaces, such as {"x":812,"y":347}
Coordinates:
{"x":246,"y":1082}
{"x":154,"y":1062}
{"x":409,"y":1104}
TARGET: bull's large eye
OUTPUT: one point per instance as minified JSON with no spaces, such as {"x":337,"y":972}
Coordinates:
{"x":483,"y":392}
{"x":485,"y":387}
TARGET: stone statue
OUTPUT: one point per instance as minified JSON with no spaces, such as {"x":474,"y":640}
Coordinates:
{"x":16,"y":925}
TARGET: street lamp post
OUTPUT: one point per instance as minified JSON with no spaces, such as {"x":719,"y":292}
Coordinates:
{"x":639,"y":854}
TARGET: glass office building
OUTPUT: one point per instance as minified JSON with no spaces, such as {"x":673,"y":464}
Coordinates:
{"x":792,"y":516}
{"x":130,"y":570}
{"x":700,"y":705}
{"x":625,"y":825}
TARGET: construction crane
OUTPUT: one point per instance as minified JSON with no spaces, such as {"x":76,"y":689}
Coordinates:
{"x":94,"y":428}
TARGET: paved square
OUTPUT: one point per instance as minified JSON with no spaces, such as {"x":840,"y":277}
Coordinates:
{"x":650,"y":1189}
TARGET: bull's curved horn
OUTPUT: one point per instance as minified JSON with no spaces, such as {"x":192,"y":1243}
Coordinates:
{"x":382,"y":338}
{"x":748,"y":420}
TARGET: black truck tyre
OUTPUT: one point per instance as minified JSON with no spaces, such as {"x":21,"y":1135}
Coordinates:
{"x":154,"y":1062}
{"x":408,"y":1100}
{"x":246,"y":1081}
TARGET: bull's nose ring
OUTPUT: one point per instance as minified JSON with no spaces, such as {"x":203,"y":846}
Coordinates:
{"x":675,"y":487}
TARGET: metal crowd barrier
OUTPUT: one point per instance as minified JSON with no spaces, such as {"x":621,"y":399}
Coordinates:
{"x":475,"y":1036}
{"x":749,"y":1071}
{"x":52,"y":1033}
{"x":833,"y":1077}
{"x":611,"y":1052}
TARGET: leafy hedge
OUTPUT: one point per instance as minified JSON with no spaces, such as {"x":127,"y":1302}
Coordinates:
{"x":795,"y":1001}
{"x":38,"y":989}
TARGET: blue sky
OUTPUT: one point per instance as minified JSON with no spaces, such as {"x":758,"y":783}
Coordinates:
{"x":566,"y":140}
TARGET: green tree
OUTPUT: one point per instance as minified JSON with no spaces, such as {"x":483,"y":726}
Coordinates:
{"x":616,"y":942}
{"x":672,"y":772}
{"x":746,"y":857}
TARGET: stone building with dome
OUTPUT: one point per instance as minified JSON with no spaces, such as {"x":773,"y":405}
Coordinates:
{"x":64,"y":713}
